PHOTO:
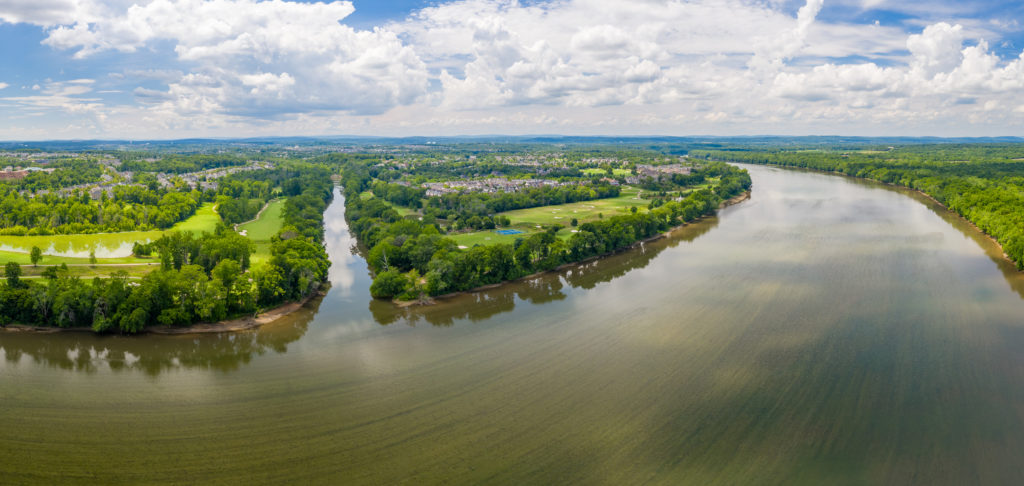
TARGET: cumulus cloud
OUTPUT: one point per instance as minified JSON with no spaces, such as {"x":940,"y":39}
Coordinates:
{"x":252,"y":58}
{"x":557,"y":64}
{"x":581,"y":52}
{"x":937,"y":49}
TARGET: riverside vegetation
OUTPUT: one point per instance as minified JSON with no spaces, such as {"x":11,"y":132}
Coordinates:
{"x":201,"y":277}
{"x":982,"y":183}
{"x":431,"y":220}
{"x":414,"y":256}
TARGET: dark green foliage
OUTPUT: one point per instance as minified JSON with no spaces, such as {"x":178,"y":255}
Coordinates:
{"x":389,"y":284}
{"x":202,"y":278}
{"x":179,"y":164}
{"x":67,"y":173}
{"x":411,"y":258}
{"x":13,"y":273}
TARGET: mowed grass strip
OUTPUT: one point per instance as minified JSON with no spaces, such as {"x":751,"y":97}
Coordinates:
{"x":267,"y":224}
{"x":533,"y":220}
{"x":583,"y":211}
{"x":89,"y":271}
{"x":109,"y":247}
{"x":260,"y":230}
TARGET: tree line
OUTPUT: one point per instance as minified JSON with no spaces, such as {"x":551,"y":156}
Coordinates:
{"x":411,"y":258}
{"x":183,"y":163}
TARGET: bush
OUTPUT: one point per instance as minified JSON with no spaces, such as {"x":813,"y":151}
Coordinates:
{"x":388,"y":284}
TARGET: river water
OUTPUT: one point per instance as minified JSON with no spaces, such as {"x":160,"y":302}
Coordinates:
{"x":826,"y":331}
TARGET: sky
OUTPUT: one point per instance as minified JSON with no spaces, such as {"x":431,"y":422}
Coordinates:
{"x":168,"y":69}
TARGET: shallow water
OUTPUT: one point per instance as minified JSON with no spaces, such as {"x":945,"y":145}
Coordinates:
{"x":825,"y":331}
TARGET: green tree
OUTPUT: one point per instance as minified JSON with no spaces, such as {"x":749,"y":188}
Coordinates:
{"x":36,"y":255}
{"x":13,"y":273}
{"x":92,"y":257}
{"x":389,"y":284}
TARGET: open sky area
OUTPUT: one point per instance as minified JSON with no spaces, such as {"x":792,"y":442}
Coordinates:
{"x":160,"y":69}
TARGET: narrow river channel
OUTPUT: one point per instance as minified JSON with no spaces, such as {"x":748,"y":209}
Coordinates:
{"x":826,"y":331}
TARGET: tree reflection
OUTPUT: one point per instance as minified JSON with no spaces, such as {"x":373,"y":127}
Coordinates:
{"x":153,"y":354}
{"x":1014,"y":278}
{"x":544,"y":288}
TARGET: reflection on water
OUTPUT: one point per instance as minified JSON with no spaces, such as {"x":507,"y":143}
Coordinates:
{"x":1014,"y":277}
{"x":112,"y":245}
{"x":153,"y":354}
{"x":825,"y":332}
{"x":541,"y":289}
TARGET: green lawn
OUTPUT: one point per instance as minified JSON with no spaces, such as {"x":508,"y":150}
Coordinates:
{"x":583,"y":211}
{"x":264,"y":227}
{"x":109,"y":247}
{"x":90,"y":271}
{"x":204,"y":221}
{"x":486,"y":237}
{"x":268,"y":224}
{"x":528,"y":220}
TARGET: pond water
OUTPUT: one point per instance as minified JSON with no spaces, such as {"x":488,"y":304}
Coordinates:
{"x":825,"y":331}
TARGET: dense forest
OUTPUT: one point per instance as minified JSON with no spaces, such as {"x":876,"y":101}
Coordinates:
{"x":982,"y":183}
{"x":412,"y":258}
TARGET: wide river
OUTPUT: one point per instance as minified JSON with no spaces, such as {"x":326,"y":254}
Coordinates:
{"x":827,"y":331}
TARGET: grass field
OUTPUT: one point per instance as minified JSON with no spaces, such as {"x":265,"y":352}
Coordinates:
{"x":267,"y":224}
{"x":617,"y":172}
{"x":90,"y":271}
{"x":262,"y":228}
{"x":528,"y":220}
{"x":109,"y":247}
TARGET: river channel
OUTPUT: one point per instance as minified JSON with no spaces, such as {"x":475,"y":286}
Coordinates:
{"x":826,"y":331}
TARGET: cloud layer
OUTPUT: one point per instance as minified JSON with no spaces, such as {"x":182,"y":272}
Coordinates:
{"x":579,"y":66}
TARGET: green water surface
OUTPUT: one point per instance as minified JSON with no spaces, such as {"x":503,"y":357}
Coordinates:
{"x":826,"y":331}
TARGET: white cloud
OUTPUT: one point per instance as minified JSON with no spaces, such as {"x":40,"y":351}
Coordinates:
{"x":247,"y":66}
{"x":253,"y":58}
{"x":41,"y":12}
{"x":4,"y":85}
{"x":64,"y":97}
{"x":937,"y":49}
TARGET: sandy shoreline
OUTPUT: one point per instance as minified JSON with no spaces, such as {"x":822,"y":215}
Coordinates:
{"x":432,"y":300}
{"x":231,"y":325}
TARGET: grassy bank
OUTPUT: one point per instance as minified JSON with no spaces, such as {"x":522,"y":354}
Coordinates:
{"x":528,"y":220}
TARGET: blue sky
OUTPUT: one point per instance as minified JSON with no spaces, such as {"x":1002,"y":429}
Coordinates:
{"x":184,"y":68}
